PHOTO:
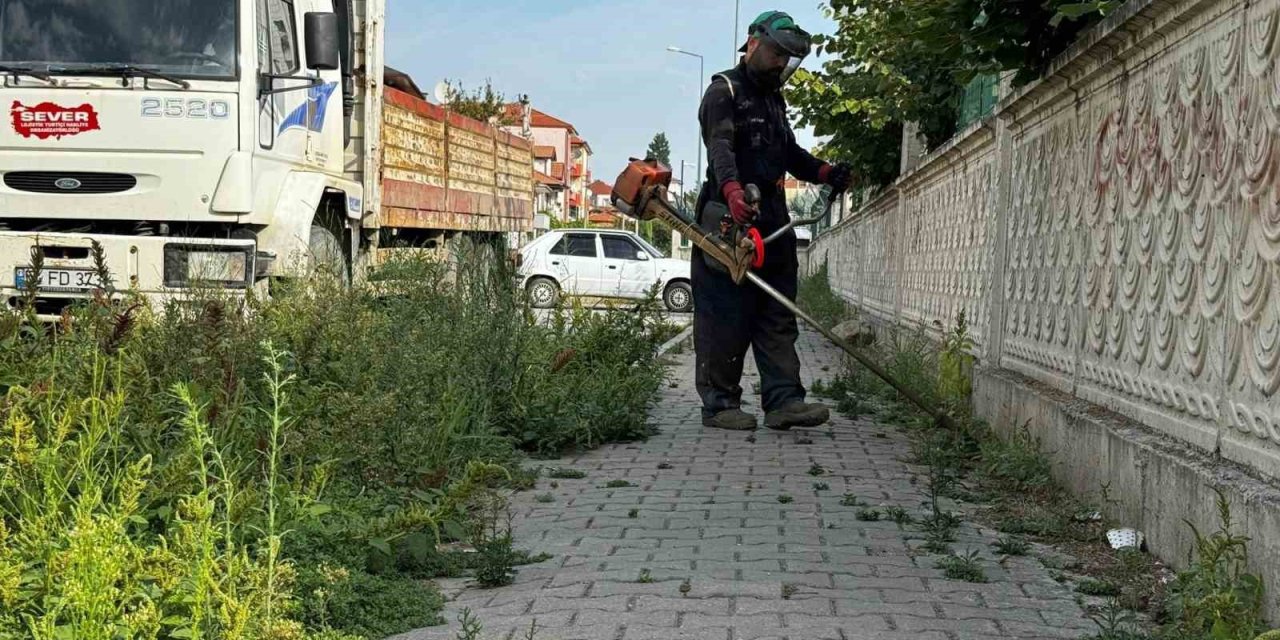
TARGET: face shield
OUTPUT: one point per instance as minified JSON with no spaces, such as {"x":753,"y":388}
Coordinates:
{"x":791,"y":44}
{"x":780,"y":53}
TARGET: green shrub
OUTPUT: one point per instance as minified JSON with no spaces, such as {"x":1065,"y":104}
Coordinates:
{"x":158,"y":458}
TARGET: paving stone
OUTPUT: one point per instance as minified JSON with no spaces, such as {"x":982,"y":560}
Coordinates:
{"x":714,"y":519}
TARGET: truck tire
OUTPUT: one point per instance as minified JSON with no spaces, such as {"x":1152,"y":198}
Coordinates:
{"x":544,"y":293}
{"x":327,"y":255}
{"x":678,"y":297}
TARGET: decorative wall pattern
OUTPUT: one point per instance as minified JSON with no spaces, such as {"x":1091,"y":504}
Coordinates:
{"x":1141,"y":261}
{"x":946,"y":255}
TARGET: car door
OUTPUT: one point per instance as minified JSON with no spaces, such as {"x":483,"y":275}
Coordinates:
{"x":628,"y":274}
{"x":577,"y":256}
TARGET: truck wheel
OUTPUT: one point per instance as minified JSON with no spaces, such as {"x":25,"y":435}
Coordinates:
{"x":327,"y":255}
{"x":678,"y":297}
{"x":544,"y":293}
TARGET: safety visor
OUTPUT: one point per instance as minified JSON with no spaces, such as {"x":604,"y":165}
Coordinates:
{"x":792,"y":42}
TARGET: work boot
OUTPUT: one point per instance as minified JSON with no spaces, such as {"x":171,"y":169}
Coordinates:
{"x":797,"y":413}
{"x":731,"y":419}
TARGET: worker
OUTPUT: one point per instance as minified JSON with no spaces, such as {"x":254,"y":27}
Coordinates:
{"x":749,"y":141}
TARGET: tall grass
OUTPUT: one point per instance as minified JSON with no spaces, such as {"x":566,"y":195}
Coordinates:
{"x":287,"y":468}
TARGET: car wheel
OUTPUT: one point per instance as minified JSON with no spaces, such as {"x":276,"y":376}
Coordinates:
{"x":543,"y":293}
{"x":678,"y":297}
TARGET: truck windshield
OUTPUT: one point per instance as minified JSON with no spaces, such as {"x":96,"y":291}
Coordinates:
{"x":183,"y":38}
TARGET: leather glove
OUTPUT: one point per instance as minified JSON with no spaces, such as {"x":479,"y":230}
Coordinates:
{"x":839,"y":176}
{"x":736,"y":198}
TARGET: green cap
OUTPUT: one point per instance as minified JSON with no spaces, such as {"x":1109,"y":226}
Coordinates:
{"x":770,"y":23}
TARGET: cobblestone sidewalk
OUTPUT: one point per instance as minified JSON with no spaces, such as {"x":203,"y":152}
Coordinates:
{"x":737,"y":541}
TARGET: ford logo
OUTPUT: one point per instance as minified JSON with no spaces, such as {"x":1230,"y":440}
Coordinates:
{"x":67,"y":184}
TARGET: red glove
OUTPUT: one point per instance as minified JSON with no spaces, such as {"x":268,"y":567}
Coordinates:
{"x":742,"y":212}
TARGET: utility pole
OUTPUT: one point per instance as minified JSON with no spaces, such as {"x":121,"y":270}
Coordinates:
{"x":701,"y":76}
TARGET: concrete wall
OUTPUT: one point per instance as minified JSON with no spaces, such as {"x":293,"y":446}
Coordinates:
{"x":1112,"y":233}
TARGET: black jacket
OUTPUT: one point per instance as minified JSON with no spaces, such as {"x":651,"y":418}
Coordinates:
{"x":749,"y":139}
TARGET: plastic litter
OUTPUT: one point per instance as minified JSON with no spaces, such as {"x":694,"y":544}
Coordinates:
{"x":1125,"y":538}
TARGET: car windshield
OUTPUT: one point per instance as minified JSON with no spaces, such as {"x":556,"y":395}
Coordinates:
{"x":650,"y":248}
{"x":186,"y":38}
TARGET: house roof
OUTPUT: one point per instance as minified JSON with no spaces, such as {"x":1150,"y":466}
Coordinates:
{"x":543,"y":178}
{"x":539,"y":118}
{"x":600,"y":188}
{"x":557,"y":170}
{"x":601,"y":216}
{"x":543,"y":152}
{"x":579,"y":142}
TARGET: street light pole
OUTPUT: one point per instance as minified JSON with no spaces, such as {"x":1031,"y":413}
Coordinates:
{"x":702,"y":74}
{"x":737,"y":8}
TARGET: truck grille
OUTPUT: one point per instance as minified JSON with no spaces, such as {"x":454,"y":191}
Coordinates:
{"x":69,"y":182}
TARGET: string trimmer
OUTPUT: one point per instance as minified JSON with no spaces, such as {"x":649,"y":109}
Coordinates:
{"x":641,"y":192}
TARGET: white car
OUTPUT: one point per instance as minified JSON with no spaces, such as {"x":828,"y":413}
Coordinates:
{"x":601,"y":263}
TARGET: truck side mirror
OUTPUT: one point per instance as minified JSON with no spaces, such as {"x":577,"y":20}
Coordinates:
{"x":323,"y":43}
{"x":642,"y":256}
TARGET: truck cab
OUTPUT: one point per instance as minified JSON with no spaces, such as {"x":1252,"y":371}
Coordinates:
{"x":180,"y":143}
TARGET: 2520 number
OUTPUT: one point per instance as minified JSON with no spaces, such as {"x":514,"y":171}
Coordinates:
{"x":195,"y":108}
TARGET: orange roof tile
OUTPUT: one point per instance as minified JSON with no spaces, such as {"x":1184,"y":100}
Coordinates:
{"x":600,"y":188}
{"x":543,"y":152}
{"x":557,"y":170}
{"x":543,"y":178}
{"x":537,"y":118}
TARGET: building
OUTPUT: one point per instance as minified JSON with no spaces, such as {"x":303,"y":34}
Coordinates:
{"x":563,"y":156}
{"x":601,"y":193}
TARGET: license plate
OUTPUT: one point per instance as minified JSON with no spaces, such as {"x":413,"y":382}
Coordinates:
{"x":59,"y":279}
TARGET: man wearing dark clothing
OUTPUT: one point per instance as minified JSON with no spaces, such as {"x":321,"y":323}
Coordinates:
{"x":749,"y":141}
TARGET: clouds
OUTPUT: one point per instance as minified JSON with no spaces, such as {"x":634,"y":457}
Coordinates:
{"x":600,"y":64}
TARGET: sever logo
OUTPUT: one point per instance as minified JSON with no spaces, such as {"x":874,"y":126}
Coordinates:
{"x":310,"y":115}
{"x":48,"y":120}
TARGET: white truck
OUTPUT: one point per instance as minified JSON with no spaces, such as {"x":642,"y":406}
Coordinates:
{"x":227,"y":143}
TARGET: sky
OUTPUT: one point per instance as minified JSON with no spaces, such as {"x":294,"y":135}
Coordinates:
{"x":601,"y":65}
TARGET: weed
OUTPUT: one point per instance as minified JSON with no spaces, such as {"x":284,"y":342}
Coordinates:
{"x":802,"y":440}
{"x":664,"y":465}
{"x":966,"y":567}
{"x":1216,"y":596}
{"x":545,"y":497}
{"x":821,"y":486}
{"x":785,"y":499}
{"x":496,"y":561}
{"x":1018,"y":460}
{"x":1012,"y":546}
{"x":634,"y":513}
{"x":685,"y":587}
{"x":618,"y":484}
{"x":565,"y":473}
{"x":816,"y":297}
{"x":789,"y":590}
{"x":1095,"y":587}
{"x":645,"y":577}
{"x":851,"y":500}
{"x":469,"y":626}
{"x":867,"y":515}
{"x":816,"y":469}
{"x":898,"y":515}
{"x":554,"y":485}
{"x":1115,"y":623}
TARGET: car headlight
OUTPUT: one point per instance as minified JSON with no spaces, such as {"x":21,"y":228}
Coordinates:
{"x":224,"y":266}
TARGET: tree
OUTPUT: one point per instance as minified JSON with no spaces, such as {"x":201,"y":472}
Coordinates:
{"x":909,"y":61}
{"x":481,"y":104}
{"x":660,"y":149}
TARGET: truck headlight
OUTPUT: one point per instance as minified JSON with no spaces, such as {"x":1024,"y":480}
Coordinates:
{"x":224,"y":266}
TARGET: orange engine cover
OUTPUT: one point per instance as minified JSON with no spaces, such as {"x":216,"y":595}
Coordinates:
{"x":638,"y":176}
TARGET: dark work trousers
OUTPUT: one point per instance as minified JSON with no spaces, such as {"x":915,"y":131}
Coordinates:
{"x":727,"y":318}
